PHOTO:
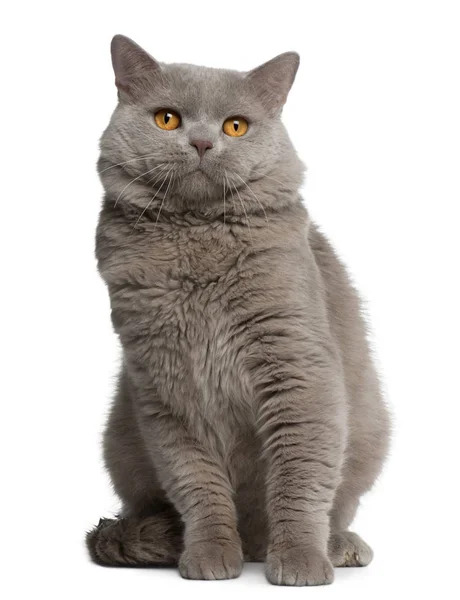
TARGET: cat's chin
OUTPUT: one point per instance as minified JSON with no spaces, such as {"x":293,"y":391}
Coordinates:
{"x":199,"y":184}
{"x":200,"y":174}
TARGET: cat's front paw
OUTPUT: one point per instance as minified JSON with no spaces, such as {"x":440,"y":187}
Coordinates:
{"x":298,"y":566}
{"x":211,"y":561}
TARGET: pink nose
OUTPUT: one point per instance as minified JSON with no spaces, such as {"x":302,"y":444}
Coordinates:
{"x":201,"y":146}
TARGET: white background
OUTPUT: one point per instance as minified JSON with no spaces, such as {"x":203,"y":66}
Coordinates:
{"x":375,"y":114}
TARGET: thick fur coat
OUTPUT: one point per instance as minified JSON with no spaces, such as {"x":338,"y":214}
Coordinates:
{"x":248,"y":419}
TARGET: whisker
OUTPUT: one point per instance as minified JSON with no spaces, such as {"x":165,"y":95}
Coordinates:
{"x":273,"y":179}
{"x":164,"y":197}
{"x":132,"y":181}
{"x":242,"y":206}
{"x":152,"y":199}
{"x":156,"y":178}
{"x":244,"y":210}
{"x":252,"y":192}
{"x":228,"y":186}
{"x":268,"y":177}
{"x":224,"y":200}
{"x":162,"y":171}
{"x":126,"y":162}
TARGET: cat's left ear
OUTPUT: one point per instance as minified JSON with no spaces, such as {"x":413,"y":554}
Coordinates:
{"x":272,"y":81}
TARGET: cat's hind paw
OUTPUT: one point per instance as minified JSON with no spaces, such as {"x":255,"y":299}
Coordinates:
{"x":347,"y":549}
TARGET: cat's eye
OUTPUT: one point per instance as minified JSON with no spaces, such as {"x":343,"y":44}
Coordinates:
{"x":235,"y":126}
{"x":167,"y":119}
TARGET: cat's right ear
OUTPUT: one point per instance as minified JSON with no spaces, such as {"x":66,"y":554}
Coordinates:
{"x":134,"y":68}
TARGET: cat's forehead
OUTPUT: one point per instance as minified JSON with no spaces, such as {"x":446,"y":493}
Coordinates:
{"x":197,"y":89}
{"x":187,"y":73}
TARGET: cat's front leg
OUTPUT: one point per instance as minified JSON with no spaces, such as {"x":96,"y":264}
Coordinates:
{"x":300,"y":406}
{"x":200,"y":490}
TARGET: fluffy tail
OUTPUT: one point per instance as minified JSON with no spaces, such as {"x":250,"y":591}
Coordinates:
{"x":136,"y":541}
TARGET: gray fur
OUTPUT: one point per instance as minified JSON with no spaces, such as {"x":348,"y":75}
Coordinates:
{"x":248,"y":419}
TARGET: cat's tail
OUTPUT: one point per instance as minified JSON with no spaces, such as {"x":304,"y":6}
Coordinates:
{"x":136,"y":542}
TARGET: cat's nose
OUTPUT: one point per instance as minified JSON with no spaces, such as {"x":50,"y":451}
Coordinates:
{"x":201,"y":146}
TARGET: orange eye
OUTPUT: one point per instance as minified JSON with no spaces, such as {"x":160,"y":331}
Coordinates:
{"x":167,"y":119}
{"x":236,"y":126}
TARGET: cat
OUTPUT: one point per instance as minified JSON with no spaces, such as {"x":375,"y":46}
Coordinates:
{"x":248,"y":418}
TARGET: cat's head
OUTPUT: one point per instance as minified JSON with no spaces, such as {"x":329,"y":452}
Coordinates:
{"x":191,"y":135}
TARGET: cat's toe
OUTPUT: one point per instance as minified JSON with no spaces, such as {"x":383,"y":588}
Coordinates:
{"x":211,"y":561}
{"x":347,"y":549}
{"x":298,"y":566}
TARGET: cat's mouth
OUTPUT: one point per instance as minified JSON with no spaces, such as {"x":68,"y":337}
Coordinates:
{"x":202,"y":173}
{"x":201,"y":181}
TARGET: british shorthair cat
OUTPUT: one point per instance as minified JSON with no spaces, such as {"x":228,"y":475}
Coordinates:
{"x":248,"y":419}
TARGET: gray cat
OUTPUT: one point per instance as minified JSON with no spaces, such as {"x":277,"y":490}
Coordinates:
{"x":248,"y":419}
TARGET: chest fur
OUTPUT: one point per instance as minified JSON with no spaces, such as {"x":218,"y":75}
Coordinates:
{"x":174,"y":273}
{"x":173,"y":299}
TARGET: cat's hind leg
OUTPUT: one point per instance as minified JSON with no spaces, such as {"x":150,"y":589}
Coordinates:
{"x":345,"y":548}
{"x":368,"y":446}
{"x":137,"y":541}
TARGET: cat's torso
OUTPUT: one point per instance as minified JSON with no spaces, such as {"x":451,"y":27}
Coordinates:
{"x":190,"y":300}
